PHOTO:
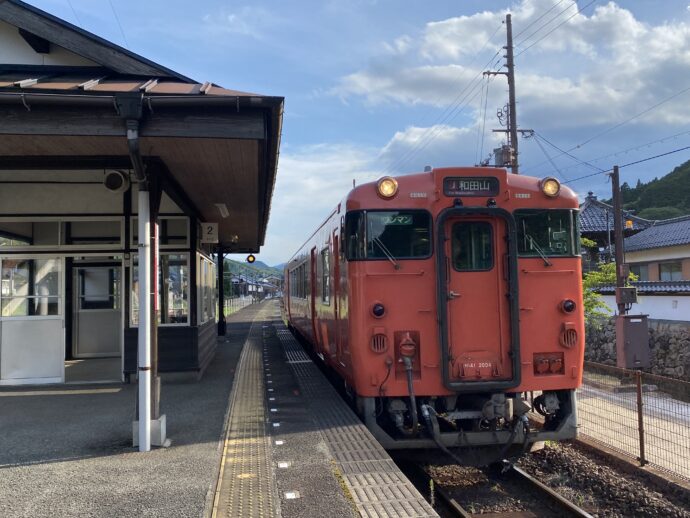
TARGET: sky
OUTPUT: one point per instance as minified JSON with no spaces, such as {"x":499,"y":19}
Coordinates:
{"x":378,"y":87}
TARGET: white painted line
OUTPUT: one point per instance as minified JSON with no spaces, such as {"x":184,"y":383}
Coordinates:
{"x":280,"y":443}
{"x":276,"y":425}
{"x":271,"y":399}
{"x":270,"y":390}
{"x":291,"y":495}
{"x":269,"y":381}
{"x":268,"y":374}
{"x":283,"y":465}
{"x":274,"y":409}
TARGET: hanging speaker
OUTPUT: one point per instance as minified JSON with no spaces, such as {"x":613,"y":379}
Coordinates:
{"x":116,"y":181}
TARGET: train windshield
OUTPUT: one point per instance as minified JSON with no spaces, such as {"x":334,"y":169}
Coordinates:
{"x":388,"y":234}
{"x":546,"y":232}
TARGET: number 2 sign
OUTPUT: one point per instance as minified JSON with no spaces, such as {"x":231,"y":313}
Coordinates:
{"x":209,"y":232}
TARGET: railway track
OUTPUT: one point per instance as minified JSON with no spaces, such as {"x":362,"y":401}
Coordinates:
{"x":537,"y":500}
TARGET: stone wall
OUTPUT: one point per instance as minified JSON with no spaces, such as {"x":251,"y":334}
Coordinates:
{"x":669,"y":345}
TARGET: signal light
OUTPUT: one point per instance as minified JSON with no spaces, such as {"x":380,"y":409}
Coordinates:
{"x":251,"y":258}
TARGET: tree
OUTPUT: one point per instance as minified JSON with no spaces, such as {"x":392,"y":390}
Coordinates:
{"x":595,"y":307}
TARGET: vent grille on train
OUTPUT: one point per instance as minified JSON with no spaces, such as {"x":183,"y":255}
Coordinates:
{"x":379,"y":343}
{"x":569,"y":338}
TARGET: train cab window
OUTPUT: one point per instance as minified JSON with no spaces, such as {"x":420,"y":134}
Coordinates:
{"x":471,"y":246}
{"x":386,"y":235}
{"x":545,"y":232}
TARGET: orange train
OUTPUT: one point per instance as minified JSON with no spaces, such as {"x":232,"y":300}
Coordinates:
{"x":446,"y":301}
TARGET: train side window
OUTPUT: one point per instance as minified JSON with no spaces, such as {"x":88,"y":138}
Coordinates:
{"x":472,"y":246}
{"x":325,"y":276}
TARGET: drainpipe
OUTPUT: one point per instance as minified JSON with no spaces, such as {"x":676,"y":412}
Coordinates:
{"x":144,"y":245}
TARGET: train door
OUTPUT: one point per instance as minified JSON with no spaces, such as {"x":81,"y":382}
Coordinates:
{"x":478,"y":301}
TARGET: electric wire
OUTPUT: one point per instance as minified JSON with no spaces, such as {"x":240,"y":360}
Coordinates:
{"x":117,"y":19}
{"x":449,"y":112}
{"x":623,"y":123}
{"x":552,"y":30}
{"x":486,"y":101}
{"x":74,"y":12}
{"x":630,"y":163}
{"x":542,"y":16}
{"x":564,"y":152}
{"x":543,"y":149}
{"x":544,"y":25}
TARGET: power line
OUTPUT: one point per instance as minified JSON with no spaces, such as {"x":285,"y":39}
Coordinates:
{"x":545,"y":24}
{"x":541,"y":146}
{"x":556,"y":27}
{"x":449,"y":112}
{"x":117,"y":19}
{"x":634,"y":148}
{"x":630,"y":163}
{"x":563,"y":152}
{"x":74,"y":13}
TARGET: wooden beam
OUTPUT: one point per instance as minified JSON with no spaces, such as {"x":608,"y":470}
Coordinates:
{"x":51,"y":120}
{"x":81,"y":42}
{"x":40,"y":45}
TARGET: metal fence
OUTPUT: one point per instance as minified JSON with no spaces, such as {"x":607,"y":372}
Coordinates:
{"x":236,"y":303}
{"x":639,"y":414}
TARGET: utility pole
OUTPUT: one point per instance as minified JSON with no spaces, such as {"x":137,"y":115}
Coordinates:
{"x":512,"y":115}
{"x":512,"y":129}
{"x":621,"y":276}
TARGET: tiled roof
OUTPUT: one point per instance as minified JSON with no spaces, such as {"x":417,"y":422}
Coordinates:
{"x":668,"y":232}
{"x":593,"y":217}
{"x":648,"y":287}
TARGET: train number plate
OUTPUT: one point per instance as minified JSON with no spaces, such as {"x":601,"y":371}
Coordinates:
{"x":477,"y":369}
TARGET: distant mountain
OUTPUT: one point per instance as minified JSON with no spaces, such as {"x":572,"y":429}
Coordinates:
{"x":257,"y":268}
{"x":662,"y":198}
{"x":280,"y":266}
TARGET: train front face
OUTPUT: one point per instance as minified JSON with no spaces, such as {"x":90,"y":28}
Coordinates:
{"x":466,"y":293}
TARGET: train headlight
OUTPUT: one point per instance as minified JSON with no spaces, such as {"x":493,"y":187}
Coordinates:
{"x":387,"y":187}
{"x":550,"y":186}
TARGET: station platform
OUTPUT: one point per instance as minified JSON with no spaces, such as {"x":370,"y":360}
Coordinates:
{"x":294,"y":448}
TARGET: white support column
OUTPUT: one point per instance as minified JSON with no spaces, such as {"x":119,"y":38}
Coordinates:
{"x":144,"y":356}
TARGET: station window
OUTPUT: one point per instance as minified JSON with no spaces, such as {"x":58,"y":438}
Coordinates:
{"x":545,"y":233}
{"x":472,"y":246}
{"x":173,"y":290}
{"x":173,"y":231}
{"x":325,"y":276}
{"x":30,"y":287}
{"x":207,"y":292}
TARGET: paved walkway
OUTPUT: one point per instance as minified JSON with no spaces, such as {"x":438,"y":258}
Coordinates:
{"x":66,"y":451}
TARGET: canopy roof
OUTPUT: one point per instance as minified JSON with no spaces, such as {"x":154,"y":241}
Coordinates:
{"x":211,"y":145}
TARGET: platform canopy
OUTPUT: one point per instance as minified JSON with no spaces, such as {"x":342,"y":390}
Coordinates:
{"x":66,"y":95}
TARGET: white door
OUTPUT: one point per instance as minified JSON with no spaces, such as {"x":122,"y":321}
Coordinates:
{"x":97,"y":312}
{"x":31,"y":321}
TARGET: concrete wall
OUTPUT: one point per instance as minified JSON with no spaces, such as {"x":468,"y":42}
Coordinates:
{"x":669,"y":346}
{"x":659,"y":307}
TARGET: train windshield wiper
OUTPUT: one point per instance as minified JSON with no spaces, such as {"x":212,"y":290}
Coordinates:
{"x":386,"y":252}
{"x":533,"y":244}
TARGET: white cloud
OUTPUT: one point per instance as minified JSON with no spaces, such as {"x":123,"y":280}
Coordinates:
{"x":247,"y":21}
{"x":594,"y":69}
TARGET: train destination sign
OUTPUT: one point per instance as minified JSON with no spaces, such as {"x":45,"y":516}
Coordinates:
{"x":470,"y":186}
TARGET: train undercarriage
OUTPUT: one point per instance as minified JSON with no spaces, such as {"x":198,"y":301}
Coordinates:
{"x":479,"y":429}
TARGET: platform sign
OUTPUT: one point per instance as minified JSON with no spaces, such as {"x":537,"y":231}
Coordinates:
{"x":209,"y":232}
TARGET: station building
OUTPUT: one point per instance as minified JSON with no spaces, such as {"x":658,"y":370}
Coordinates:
{"x":85,"y":126}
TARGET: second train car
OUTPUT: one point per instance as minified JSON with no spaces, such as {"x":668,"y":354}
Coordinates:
{"x":449,"y":303}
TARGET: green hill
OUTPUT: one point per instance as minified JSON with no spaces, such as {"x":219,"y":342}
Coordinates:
{"x":662,"y":198}
{"x":258,"y":268}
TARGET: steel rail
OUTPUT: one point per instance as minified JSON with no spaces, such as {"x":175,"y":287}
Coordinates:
{"x":555,"y":497}
{"x":454,"y":506}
